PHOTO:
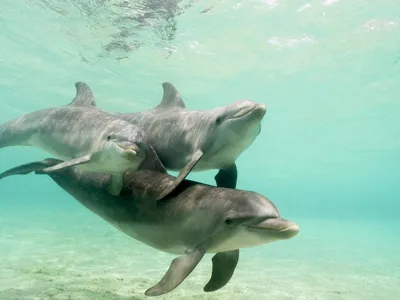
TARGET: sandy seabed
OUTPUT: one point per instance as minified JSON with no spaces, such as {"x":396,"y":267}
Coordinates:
{"x":77,"y":256}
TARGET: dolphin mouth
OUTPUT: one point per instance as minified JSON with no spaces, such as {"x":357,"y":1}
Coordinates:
{"x":243,"y":112}
{"x":262,"y":108}
{"x":278,"y":225}
{"x":131,"y":149}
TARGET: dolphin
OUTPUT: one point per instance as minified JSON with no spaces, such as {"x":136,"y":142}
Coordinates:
{"x":192,"y":220}
{"x":80,"y":134}
{"x":189,"y":140}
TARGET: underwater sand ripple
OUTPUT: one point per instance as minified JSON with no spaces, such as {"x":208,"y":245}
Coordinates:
{"x":91,"y":261}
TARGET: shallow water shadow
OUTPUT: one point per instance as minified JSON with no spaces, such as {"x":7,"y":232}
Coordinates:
{"x":58,"y":294}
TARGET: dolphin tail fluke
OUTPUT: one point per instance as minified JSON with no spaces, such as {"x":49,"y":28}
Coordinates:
{"x":37,"y":167}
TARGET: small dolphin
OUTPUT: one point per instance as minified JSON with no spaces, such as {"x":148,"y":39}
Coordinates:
{"x":189,"y":140}
{"x":81,"y":134}
{"x":192,"y":220}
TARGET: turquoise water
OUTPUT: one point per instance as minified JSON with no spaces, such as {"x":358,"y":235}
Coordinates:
{"x":328,"y":154}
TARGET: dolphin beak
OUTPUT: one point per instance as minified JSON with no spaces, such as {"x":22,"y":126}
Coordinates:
{"x":257,"y":109}
{"x":132,"y":149}
{"x":282,"y":227}
{"x":244,"y":111}
{"x":261,"y":109}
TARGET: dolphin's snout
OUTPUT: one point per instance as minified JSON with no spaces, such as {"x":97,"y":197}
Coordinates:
{"x":132,"y":150}
{"x":129,"y":146}
{"x":280,"y":225}
{"x":261,"y":109}
{"x":247,"y":106}
{"x":244,"y":108}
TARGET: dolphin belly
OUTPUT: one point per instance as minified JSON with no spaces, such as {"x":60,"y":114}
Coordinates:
{"x":159,"y":237}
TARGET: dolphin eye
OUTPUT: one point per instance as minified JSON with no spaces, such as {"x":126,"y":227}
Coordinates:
{"x":218,"y":120}
{"x":228,"y":221}
{"x":108,"y":137}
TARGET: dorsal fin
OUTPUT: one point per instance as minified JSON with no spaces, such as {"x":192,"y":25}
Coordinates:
{"x":171,"y":97}
{"x":84,"y":95}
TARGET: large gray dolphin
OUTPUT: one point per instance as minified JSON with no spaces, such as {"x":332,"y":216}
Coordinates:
{"x":81,"y":134}
{"x":192,"y":220}
{"x":190,"y":140}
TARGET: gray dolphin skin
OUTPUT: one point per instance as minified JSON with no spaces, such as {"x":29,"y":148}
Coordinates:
{"x":188,"y":140}
{"x":192,"y":220}
{"x":81,"y":134}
